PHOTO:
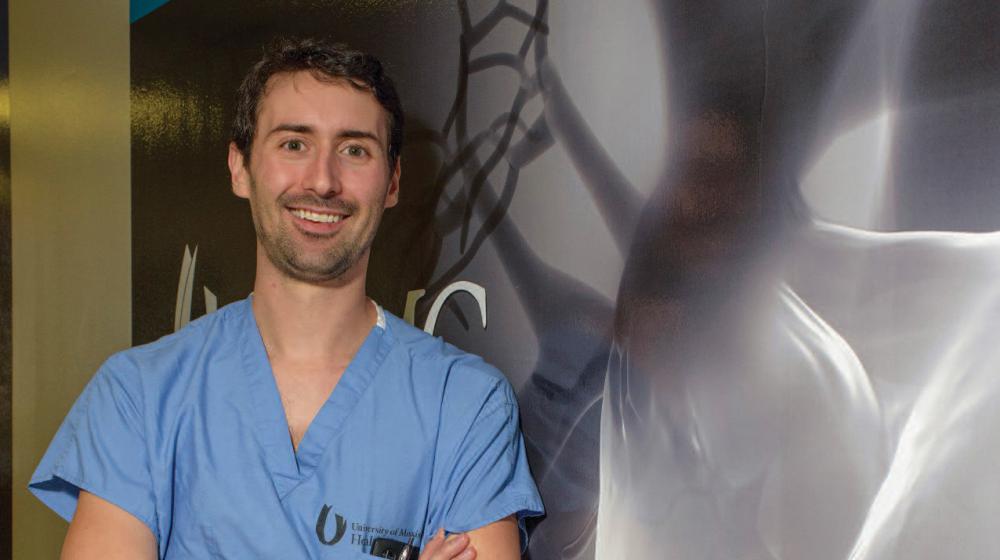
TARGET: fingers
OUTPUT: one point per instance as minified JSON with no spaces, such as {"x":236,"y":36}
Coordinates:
{"x":455,"y":547}
{"x":433,"y":545}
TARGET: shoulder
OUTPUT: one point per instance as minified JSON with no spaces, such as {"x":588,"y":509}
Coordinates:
{"x":459,"y":375}
{"x":173,"y":354}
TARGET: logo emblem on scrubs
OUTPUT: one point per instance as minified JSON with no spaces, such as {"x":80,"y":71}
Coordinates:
{"x":321,"y":527}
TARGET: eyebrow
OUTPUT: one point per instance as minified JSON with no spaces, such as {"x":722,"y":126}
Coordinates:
{"x":351,"y":133}
{"x":300,"y":128}
{"x":307,"y":129}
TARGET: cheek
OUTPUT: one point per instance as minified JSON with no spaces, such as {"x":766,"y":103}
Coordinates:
{"x":375,"y":182}
{"x":276,"y":174}
{"x":267,"y":177}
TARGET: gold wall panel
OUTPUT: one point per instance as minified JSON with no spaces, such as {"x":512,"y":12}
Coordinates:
{"x":69,"y":96}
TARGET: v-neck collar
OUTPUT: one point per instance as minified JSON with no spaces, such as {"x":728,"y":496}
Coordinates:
{"x":288,"y":467}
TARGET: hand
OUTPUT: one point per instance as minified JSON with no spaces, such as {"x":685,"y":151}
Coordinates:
{"x":455,"y":547}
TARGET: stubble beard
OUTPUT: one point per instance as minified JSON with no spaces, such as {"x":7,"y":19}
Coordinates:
{"x":291,"y":259}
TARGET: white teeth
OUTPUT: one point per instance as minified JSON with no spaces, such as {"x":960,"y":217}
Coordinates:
{"x":316,"y":217}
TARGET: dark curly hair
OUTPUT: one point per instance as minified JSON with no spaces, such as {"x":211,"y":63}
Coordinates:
{"x":326,"y":61}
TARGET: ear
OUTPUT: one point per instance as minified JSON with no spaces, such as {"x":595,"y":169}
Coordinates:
{"x":392,"y":196}
{"x":238,"y":174}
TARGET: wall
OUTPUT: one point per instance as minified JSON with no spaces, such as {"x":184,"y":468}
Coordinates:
{"x":70,"y":227}
{"x":739,"y":257}
{"x":6,"y":466}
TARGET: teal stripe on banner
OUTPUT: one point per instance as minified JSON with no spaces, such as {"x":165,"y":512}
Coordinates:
{"x":139,"y":8}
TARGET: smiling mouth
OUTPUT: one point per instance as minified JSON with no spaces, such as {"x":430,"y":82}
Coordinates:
{"x":317,"y":217}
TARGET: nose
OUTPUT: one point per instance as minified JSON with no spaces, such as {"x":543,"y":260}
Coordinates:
{"x":323,"y":175}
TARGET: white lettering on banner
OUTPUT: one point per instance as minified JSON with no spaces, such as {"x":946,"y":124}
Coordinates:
{"x":185,"y":292}
{"x":413,"y":296}
{"x":185,"y":286}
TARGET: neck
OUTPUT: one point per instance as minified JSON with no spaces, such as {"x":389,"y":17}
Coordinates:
{"x":307,"y":321}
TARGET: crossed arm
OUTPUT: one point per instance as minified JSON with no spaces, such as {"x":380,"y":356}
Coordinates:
{"x":101,"y":530}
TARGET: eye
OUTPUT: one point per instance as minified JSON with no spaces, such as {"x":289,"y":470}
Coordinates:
{"x":293,"y":145}
{"x":356,"y":150}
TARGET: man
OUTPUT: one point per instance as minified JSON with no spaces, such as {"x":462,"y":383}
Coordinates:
{"x":303,"y":422}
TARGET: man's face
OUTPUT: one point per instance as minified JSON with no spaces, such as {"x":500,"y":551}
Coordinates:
{"x":319,"y":176}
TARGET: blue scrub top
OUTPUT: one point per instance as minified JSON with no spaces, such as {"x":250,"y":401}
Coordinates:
{"x":188,"y":434}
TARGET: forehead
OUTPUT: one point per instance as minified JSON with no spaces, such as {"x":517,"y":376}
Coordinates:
{"x":326,"y":105}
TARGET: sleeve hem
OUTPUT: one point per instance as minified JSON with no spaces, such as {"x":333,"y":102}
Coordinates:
{"x":521,"y":505}
{"x":129,"y":506}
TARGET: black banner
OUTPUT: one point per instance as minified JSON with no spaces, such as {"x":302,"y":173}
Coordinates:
{"x":737,"y":258}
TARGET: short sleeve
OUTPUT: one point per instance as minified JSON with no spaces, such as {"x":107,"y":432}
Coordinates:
{"x":100,"y":448}
{"x":488,"y":477}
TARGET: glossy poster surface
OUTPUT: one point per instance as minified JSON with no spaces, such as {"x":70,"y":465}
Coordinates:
{"x":737,"y":258}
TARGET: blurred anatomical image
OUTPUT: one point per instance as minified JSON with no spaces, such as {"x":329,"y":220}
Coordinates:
{"x":799,"y":357}
{"x":828,"y":408}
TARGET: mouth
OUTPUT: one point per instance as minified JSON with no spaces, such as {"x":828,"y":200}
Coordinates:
{"x":317,"y":217}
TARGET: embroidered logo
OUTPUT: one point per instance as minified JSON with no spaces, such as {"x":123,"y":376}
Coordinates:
{"x":321,"y":527}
